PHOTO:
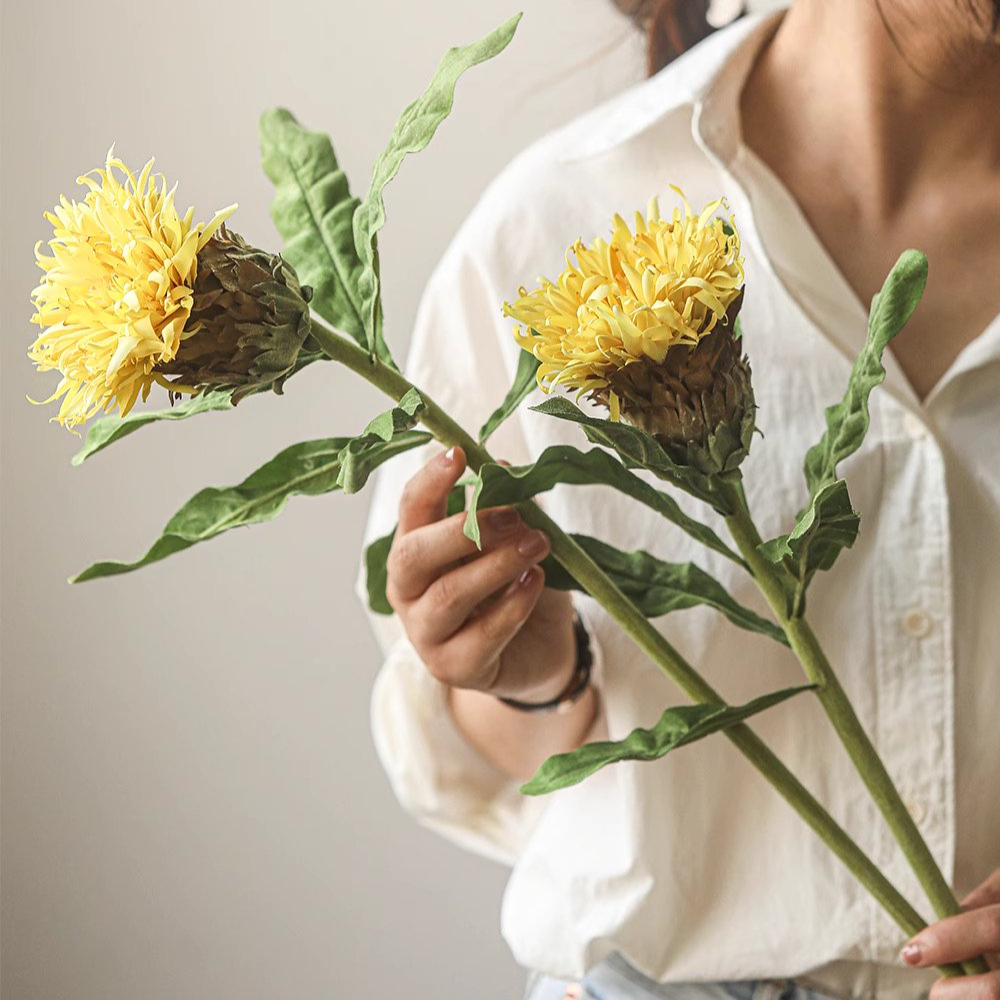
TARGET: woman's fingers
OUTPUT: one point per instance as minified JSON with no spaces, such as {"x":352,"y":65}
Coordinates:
{"x":956,"y":939}
{"x":420,"y":556}
{"x":982,"y":895}
{"x":964,"y":936}
{"x":460,"y":605}
{"x":984,"y":987}
{"x":454,"y":596}
{"x":425,"y":496}
{"x":471,"y":657}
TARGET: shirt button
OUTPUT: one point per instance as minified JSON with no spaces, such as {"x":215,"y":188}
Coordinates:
{"x":915,"y":428}
{"x":917,"y":808}
{"x":917,"y":623}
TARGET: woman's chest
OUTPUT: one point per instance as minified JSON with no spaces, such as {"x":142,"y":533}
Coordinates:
{"x":961,"y":239}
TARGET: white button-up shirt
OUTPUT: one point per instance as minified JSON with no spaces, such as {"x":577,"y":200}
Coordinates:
{"x":693,"y":867}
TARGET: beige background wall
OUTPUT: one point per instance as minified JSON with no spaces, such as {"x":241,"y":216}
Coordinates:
{"x":192,"y":806}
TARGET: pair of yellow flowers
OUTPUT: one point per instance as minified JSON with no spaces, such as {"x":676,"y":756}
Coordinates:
{"x":116,"y":300}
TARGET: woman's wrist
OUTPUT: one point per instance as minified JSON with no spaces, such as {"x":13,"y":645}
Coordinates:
{"x":565,"y":688}
{"x":515,"y":742}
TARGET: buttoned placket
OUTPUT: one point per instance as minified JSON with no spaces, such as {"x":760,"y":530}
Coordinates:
{"x":927,"y":653}
{"x":912,"y":621}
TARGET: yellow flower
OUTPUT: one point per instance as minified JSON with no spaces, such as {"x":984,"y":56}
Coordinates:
{"x":630,"y":299}
{"x":117,"y":293}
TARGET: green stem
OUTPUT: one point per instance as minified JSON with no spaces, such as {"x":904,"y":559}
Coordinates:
{"x":596,"y":582}
{"x":772,"y":582}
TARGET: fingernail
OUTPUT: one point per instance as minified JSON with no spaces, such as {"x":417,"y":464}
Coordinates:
{"x":449,"y":456}
{"x":532,"y":545}
{"x":911,"y":954}
{"x":503,"y":522}
{"x":526,"y":578}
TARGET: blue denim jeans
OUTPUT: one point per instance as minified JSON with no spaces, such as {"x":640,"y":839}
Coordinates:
{"x":615,"y":979}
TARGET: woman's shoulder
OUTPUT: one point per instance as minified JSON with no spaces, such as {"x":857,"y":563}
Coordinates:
{"x":569,"y":182}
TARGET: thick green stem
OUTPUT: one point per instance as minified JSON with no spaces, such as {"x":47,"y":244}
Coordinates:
{"x":772,"y":582}
{"x":596,"y":582}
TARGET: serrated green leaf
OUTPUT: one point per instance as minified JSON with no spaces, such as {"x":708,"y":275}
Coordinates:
{"x":847,"y":421}
{"x":308,"y":469}
{"x":677,"y":728}
{"x":314,"y":211}
{"x":362,"y":455}
{"x":414,"y":130}
{"x":829,"y":523}
{"x":523,"y":385}
{"x":636,"y":448}
{"x":498,"y":484}
{"x":827,"y":526}
{"x":377,"y":555}
{"x":657,"y":587}
{"x":398,"y":418}
{"x":107,"y":430}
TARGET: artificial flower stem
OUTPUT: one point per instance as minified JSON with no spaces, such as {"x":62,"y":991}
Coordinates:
{"x":596,"y":582}
{"x":770,"y":579}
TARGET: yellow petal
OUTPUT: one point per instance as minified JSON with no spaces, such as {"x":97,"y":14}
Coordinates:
{"x":116,"y":292}
{"x":632,"y":298}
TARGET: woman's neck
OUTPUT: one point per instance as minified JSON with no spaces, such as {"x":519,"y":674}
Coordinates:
{"x":889,"y":98}
{"x":890,"y":138}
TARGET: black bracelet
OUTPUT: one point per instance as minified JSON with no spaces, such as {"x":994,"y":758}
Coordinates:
{"x":578,"y":683}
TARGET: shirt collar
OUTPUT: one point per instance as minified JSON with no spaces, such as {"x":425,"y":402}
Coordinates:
{"x":707,"y":79}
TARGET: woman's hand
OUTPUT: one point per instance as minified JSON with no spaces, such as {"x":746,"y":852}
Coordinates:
{"x":956,"y":939}
{"x":479,"y":619}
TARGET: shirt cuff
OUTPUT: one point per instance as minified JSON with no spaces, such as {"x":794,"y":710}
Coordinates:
{"x":436,"y":774}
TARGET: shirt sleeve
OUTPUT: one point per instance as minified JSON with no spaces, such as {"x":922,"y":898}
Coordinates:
{"x":463,"y":355}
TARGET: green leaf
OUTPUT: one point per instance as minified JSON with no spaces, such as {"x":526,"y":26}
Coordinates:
{"x":677,"y":728}
{"x":847,"y":421}
{"x":498,"y":484}
{"x":314,"y":211}
{"x":658,"y":587}
{"x":363,"y":454}
{"x":307,"y":469}
{"x":414,"y":130}
{"x":635,"y":447}
{"x":377,"y":555}
{"x":829,"y":523}
{"x":107,"y":430}
{"x":523,"y":385}
{"x":827,"y":526}
{"x":376,"y":573}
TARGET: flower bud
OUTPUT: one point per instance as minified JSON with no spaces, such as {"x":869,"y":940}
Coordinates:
{"x":249,"y":319}
{"x":698,"y":403}
{"x":644,"y":324}
{"x":134,"y":293}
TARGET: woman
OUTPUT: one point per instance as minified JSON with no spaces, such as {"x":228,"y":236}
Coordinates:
{"x":840,"y":133}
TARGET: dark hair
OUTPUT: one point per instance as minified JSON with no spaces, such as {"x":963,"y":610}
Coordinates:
{"x":673,"y":26}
